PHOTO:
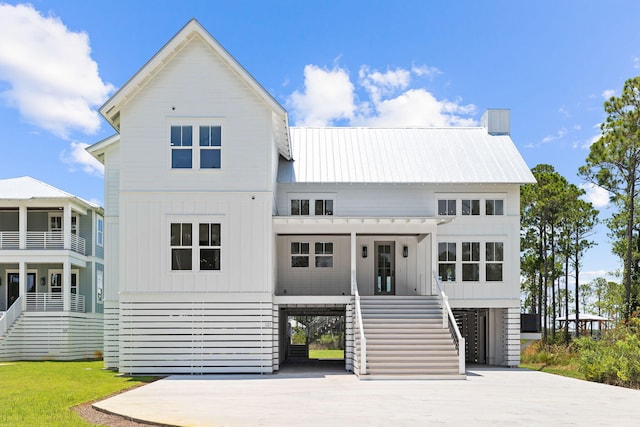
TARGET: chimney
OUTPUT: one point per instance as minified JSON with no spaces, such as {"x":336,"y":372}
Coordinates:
{"x":496,"y":121}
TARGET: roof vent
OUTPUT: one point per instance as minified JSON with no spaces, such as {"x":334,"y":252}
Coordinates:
{"x":496,"y":122}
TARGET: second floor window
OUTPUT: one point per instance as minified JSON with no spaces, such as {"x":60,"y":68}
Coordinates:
{"x":181,"y":246}
{"x":210,"y":147}
{"x":209,"y":241}
{"x":494,"y":260}
{"x":181,"y":147}
{"x":494,"y":207}
{"x":100,"y":231}
{"x":299,"y":207}
{"x":324,"y":207}
{"x":470,"y":207}
{"x":324,"y":254}
{"x":470,"y":261}
{"x":447,"y":207}
{"x":447,"y":261}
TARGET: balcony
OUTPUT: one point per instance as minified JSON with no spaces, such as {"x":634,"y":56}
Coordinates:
{"x":42,"y":240}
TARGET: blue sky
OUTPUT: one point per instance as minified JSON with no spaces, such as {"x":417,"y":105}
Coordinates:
{"x":378,"y":63}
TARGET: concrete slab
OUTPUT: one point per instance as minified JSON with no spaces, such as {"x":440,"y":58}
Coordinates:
{"x":489,"y":397}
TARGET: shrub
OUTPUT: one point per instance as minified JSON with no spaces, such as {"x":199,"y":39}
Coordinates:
{"x":614,"y":359}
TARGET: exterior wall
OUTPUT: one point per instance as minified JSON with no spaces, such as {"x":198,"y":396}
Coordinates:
{"x":334,"y":280}
{"x":53,"y":336}
{"x":9,"y":221}
{"x":246,"y":241}
{"x":204,"y":333}
{"x":215,"y":94}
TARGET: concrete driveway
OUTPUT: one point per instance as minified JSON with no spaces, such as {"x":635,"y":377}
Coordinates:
{"x":488,"y":397}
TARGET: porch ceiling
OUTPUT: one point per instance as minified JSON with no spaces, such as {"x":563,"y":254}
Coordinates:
{"x":358,"y":225}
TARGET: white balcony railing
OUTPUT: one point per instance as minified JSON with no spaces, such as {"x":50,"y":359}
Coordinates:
{"x":9,"y":240}
{"x":8,"y":317}
{"x":42,"y":240}
{"x":54,"y":302}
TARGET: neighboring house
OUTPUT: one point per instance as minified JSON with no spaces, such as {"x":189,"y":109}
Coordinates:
{"x":222,"y":222}
{"x":51,"y":273}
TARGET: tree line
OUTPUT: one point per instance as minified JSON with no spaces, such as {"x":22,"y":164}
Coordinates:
{"x":557,"y":224}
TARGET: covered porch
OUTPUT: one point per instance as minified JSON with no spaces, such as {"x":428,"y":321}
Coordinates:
{"x":330,"y":255}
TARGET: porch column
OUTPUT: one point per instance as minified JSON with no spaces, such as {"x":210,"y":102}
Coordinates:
{"x":22,"y":290}
{"x":434,"y":261}
{"x":354,"y":254}
{"x":22,"y":227}
{"x":66,"y":285}
{"x":66,"y":226}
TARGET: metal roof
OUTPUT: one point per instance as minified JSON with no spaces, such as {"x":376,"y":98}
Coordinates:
{"x":402,"y":155}
{"x":27,"y":188}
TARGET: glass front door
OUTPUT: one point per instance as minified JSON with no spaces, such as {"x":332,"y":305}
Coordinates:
{"x":385,"y":267}
{"x":13,"y":288}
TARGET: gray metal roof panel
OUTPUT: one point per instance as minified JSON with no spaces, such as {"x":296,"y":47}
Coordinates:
{"x":402,"y":155}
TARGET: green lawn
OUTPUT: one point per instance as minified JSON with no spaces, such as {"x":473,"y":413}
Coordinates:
{"x":570,"y":371}
{"x":326,"y":354}
{"x":42,"y":393}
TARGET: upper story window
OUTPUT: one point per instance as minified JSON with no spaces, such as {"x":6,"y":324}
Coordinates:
{"x":470,"y":207}
{"x":299,"y":254}
{"x":324,"y":254}
{"x":447,"y":261}
{"x":447,"y":207}
{"x":181,"y":147}
{"x":470,"y":261}
{"x":210,"y":147}
{"x":300,"y":207}
{"x":494,"y":207}
{"x":494,"y":259}
{"x":324,"y":207}
{"x":100,"y":231}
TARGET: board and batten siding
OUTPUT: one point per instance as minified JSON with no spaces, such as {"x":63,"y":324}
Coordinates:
{"x":246,"y":242}
{"x":314,"y":280}
{"x":216,"y":95}
{"x":196,"y":334}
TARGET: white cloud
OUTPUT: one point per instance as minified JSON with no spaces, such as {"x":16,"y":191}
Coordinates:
{"x":597,"y":196}
{"x":608,"y":93}
{"x":78,"y":157}
{"x":636,"y":62}
{"x":424,"y":70}
{"x":52,"y":79}
{"x":559,"y":135}
{"x":378,"y":99}
{"x":328,"y":96}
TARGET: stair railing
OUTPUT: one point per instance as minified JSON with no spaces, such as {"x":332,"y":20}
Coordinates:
{"x":363,"y":340}
{"x":10,"y":315}
{"x":449,"y":321}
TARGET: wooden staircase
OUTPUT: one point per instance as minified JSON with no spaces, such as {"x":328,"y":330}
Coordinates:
{"x":406,"y":338}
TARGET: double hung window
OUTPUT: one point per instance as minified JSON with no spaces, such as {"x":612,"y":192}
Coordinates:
{"x":494,"y":260}
{"x":299,"y":254}
{"x":447,"y":261}
{"x":324,"y":254}
{"x":209,"y":241}
{"x":181,"y":147}
{"x":210,"y":147}
{"x":470,"y":261}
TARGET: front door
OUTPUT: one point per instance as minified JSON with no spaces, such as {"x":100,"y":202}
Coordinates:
{"x":13,"y":288}
{"x":385,"y":268}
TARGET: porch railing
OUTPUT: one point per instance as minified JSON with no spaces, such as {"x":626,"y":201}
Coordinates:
{"x":10,"y":316}
{"x":363,"y":339}
{"x":9,"y":240}
{"x":54,"y":302}
{"x":42,"y":240}
{"x":449,"y":321}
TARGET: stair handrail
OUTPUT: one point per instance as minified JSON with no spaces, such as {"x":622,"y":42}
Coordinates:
{"x":10,"y":316}
{"x":448,"y":320}
{"x":363,"y":339}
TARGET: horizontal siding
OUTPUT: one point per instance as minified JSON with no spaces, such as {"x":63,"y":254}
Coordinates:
{"x":53,"y":336}
{"x":111,"y":328}
{"x":200,"y":337}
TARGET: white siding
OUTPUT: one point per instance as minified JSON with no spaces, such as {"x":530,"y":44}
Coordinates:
{"x":312,"y":280}
{"x":196,"y":84}
{"x":246,"y":257}
{"x":195,"y":334}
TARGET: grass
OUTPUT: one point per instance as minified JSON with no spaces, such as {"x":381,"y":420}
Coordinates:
{"x":42,"y":393}
{"x":326,"y":354}
{"x":553,"y":359}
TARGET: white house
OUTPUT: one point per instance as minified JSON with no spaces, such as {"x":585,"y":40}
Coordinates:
{"x":222,"y":221}
{"x":51,"y":273}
